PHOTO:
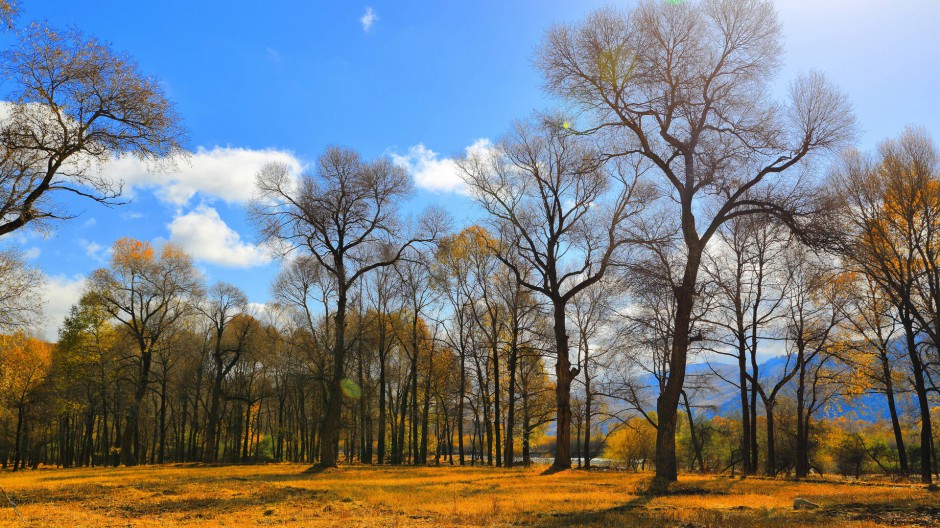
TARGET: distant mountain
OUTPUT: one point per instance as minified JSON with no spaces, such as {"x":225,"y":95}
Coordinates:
{"x":723,"y":397}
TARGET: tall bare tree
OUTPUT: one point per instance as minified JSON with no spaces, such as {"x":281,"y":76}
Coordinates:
{"x":562,"y":213}
{"x":345,"y":216}
{"x":75,"y":103}
{"x":685,"y":86}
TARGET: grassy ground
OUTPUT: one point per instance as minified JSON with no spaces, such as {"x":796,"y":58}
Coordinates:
{"x":283,"y":495}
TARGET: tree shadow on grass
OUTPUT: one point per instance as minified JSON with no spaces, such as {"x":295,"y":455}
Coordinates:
{"x":596,"y":517}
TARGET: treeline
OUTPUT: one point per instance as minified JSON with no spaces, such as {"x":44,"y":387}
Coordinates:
{"x":153,"y":367}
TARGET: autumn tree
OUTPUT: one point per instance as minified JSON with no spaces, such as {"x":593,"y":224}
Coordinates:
{"x":891,"y":208}
{"x":685,"y":86}
{"x":564,"y":214}
{"x":345,"y":216}
{"x":75,"y":103}
{"x":86,"y":373}
{"x":9,"y":10}
{"x":24,"y":365}
{"x":146,"y":292}
{"x":871,"y":350}
{"x":455,"y":276}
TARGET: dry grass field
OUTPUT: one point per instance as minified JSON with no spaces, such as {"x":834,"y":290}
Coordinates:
{"x":283,"y":495}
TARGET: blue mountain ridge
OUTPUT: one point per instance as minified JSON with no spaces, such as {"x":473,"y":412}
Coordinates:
{"x":722,"y":398}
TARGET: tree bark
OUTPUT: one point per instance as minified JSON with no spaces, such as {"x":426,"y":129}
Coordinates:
{"x":564,"y":374}
{"x":667,"y":405}
{"x":334,"y":402}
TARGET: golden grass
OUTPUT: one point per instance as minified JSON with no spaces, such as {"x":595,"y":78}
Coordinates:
{"x":283,"y":495}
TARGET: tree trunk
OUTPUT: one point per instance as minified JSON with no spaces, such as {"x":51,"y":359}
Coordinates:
{"x":920,"y":390}
{"x":587,"y":417}
{"x":802,"y":435}
{"x":771,"y":440}
{"x":161,"y":453}
{"x":564,"y":374}
{"x":895,"y":421}
{"x":667,"y":404}
{"x":497,"y":419}
{"x":511,"y":411}
{"x":695,"y":444}
{"x":462,"y":398}
{"x":380,"y":455}
{"x":210,"y":450}
{"x":329,"y":432}
{"x":130,"y":435}
{"x":18,"y":452}
{"x":745,"y":404}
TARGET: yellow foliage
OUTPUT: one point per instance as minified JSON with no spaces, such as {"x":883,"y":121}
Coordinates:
{"x":24,"y":364}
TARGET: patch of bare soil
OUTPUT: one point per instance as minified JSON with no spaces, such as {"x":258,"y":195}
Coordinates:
{"x":903,"y":514}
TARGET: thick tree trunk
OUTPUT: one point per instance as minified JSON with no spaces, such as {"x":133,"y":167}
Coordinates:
{"x":564,"y":374}
{"x":329,"y":432}
{"x":920,"y":390}
{"x":667,"y":405}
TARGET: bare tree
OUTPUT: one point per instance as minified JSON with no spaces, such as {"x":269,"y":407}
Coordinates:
{"x":593,"y":312}
{"x":223,"y":304}
{"x":565,"y":215}
{"x":75,"y":103}
{"x":20,"y":296}
{"x":685,"y":87}
{"x":813,"y":318}
{"x":345,"y":216}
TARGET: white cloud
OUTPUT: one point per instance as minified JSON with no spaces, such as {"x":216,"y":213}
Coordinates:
{"x":93,"y":249}
{"x":61,"y":293}
{"x":204,"y":235}
{"x":220,"y":172}
{"x":369,"y":18}
{"x":434,"y":173}
{"x":32,"y":253}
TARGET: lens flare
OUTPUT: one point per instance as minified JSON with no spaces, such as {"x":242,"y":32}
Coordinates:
{"x":350,"y":388}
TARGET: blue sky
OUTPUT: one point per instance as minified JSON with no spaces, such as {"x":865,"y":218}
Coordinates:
{"x":420,"y":81}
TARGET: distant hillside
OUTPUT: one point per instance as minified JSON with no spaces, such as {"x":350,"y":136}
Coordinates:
{"x":723,"y":398}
